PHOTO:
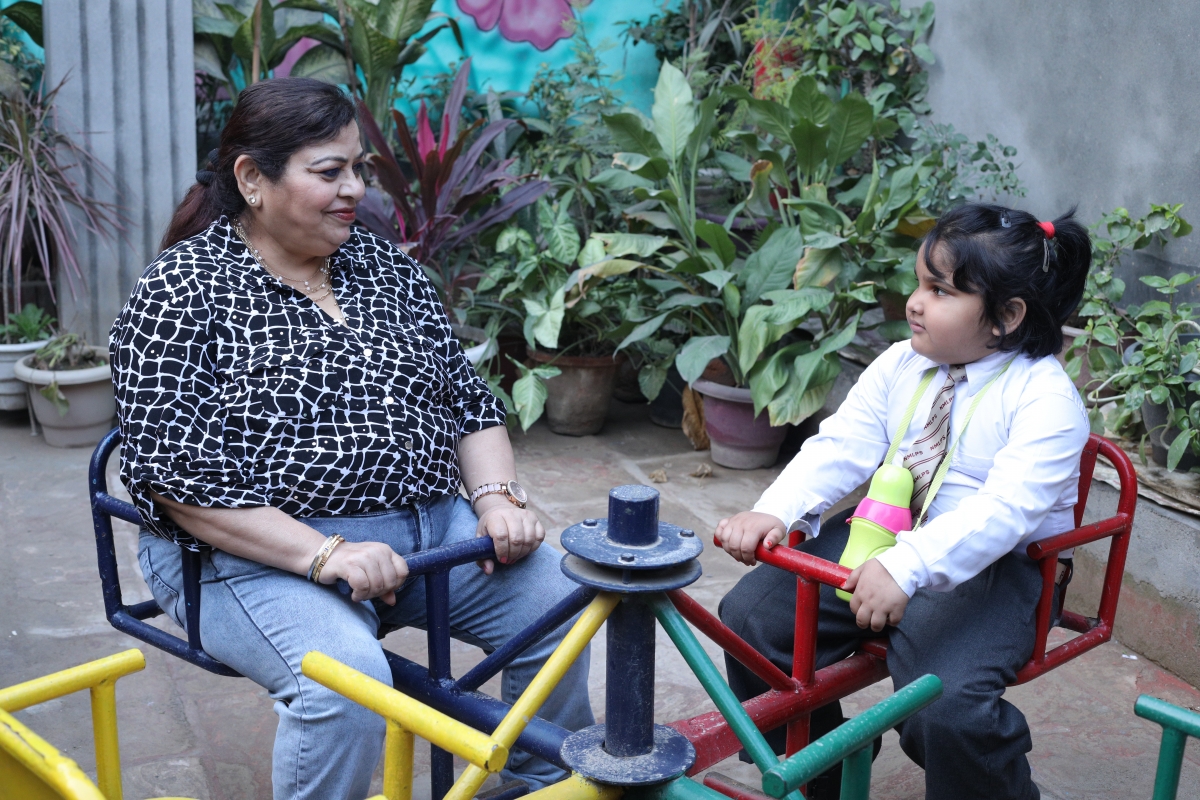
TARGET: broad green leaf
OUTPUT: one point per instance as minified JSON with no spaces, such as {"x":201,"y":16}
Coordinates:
{"x":850,"y":124}
{"x":674,"y":110}
{"x":817,"y":267}
{"x":630,"y":135}
{"x":684,"y":299}
{"x":529,"y":396}
{"x":643,"y":331}
{"x":773,"y":118}
{"x":562,"y":240}
{"x":618,"y":179}
{"x":322,"y":63}
{"x":215,"y":25}
{"x":651,"y":378}
{"x":208,"y":61}
{"x":28,"y":17}
{"x":546,"y":319}
{"x":716,"y":237}
{"x":759,"y":201}
{"x":706,"y":120}
{"x":763,"y":326}
{"x":717,"y":277}
{"x":695,"y":355}
{"x":591,"y":252}
{"x":623,"y":244}
{"x":56,"y":397}
{"x":772,"y":266}
{"x":793,"y":405}
{"x":400,"y":19}
{"x":769,"y":376}
{"x":923,"y":52}
{"x":737,"y":167}
{"x":823,"y":240}
{"x":808,"y":139}
{"x":652,"y":169}
{"x":1177,"y":449}
{"x":609,"y":268}
{"x":731,"y":296}
{"x":807,"y":101}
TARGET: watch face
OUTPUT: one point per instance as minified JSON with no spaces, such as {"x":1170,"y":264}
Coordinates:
{"x":518,"y":492}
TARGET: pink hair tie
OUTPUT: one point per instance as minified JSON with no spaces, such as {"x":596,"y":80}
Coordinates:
{"x":1047,"y":228}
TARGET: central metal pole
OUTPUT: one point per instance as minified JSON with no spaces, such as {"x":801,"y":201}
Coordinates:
{"x":629,"y":698}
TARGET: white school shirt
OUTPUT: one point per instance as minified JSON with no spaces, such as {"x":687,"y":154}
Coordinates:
{"x":1013,"y":480}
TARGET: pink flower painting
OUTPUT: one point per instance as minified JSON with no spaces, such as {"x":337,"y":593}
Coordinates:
{"x":539,"y":22}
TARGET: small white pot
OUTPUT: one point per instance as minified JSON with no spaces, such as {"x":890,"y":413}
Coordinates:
{"x":89,"y":393}
{"x":12,"y":391}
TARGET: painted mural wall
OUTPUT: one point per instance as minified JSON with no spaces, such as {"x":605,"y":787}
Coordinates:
{"x":508,"y":40}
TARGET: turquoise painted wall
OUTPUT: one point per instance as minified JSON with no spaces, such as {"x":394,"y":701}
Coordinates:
{"x":29,"y":45}
{"x":510,"y":66}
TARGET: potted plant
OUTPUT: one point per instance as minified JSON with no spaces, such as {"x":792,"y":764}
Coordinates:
{"x":570,"y":300}
{"x":1095,"y":349}
{"x":26,"y":331}
{"x":70,"y":390}
{"x":37,"y":195}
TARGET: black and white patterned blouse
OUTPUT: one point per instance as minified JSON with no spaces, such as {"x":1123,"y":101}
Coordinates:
{"x":235,"y":390}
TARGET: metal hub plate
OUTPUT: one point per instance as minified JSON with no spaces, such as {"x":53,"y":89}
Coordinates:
{"x":583,"y":751}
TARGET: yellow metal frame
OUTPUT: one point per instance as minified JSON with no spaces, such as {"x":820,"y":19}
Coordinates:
{"x":26,"y":754}
{"x":484,"y":754}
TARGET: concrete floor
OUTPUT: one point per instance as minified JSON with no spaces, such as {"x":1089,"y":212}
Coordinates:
{"x":185,"y":732}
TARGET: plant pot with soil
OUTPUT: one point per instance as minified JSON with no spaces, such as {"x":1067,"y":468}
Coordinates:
{"x":740,"y":439}
{"x":578,"y":397}
{"x":27,"y":331}
{"x":70,"y":391}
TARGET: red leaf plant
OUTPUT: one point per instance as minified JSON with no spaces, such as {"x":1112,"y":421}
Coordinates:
{"x":443,"y":181}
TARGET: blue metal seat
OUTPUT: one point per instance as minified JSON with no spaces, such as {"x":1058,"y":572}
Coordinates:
{"x":430,"y":684}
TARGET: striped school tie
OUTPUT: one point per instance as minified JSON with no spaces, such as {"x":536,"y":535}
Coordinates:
{"x":927,"y":452}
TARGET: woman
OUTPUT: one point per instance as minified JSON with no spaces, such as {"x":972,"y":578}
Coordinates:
{"x":293,"y":404}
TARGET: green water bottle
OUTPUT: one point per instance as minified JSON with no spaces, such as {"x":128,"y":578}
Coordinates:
{"x":882,"y":514}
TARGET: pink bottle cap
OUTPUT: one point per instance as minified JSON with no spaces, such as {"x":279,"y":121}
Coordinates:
{"x":891,"y":518}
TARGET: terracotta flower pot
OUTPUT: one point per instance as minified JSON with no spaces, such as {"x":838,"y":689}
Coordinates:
{"x":12,"y":391}
{"x":89,"y":393}
{"x":578,"y":399}
{"x":739,"y":439}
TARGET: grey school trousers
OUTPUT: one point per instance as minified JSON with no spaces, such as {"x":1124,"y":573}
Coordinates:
{"x":971,"y":742}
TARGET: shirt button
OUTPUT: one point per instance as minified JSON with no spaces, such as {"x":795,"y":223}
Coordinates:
{"x":387,"y":401}
{"x":367,"y":352}
{"x":408,"y":444}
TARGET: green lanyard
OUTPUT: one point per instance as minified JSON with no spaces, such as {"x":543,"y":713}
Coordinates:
{"x":906,"y":420}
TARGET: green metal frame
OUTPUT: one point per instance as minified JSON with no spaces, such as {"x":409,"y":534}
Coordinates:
{"x":1177,"y":725}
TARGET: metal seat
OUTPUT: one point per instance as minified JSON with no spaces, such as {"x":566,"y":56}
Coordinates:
{"x":432,"y":684}
{"x":793,"y":698}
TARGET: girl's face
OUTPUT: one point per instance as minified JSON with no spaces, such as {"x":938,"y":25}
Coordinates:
{"x":947,"y":323}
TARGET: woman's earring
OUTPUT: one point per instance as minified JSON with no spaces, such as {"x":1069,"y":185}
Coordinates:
{"x":251,"y":200}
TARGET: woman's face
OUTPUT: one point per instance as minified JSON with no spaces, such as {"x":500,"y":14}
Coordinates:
{"x":309,"y":210}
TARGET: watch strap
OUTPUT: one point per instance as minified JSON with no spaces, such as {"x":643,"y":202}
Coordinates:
{"x":485,"y":489}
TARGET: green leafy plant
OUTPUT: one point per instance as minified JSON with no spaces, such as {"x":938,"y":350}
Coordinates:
{"x":1142,"y":353}
{"x":30,"y":324}
{"x":226,"y":47}
{"x":378,"y":40}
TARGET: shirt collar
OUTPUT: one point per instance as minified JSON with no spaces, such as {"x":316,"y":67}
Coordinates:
{"x":250,"y":269}
{"x":978,"y":372}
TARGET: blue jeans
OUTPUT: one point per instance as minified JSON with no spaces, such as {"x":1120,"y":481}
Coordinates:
{"x":262,"y":621}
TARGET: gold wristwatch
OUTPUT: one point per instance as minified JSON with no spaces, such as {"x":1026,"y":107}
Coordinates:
{"x":514,"y":491}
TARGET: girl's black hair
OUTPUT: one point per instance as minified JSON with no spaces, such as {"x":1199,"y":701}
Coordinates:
{"x":271,"y":121}
{"x":1001,"y":254}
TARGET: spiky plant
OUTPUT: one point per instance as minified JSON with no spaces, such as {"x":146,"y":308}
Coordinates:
{"x":39,"y":168}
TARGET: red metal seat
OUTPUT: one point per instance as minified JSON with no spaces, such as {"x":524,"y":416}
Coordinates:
{"x":791,"y":699}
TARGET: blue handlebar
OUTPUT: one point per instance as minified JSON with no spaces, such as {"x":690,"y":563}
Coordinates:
{"x":441,"y":558}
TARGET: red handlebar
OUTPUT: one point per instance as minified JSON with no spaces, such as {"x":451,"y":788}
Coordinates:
{"x":802,"y":564}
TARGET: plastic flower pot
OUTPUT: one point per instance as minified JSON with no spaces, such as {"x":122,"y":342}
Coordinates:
{"x":91,"y":403}
{"x":577,"y":401}
{"x":12,"y":391}
{"x":739,"y":439}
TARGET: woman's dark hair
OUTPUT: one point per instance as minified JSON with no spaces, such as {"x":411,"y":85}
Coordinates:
{"x":271,"y":121}
{"x":1003,"y":254}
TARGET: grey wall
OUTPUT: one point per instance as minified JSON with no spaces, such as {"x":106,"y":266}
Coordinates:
{"x":128,"y":98}
{"x":1101,"y":99}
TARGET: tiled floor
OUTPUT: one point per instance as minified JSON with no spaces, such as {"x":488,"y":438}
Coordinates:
{"x":185,"y":732}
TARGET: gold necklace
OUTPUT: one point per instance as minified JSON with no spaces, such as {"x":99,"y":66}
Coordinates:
{"x":308,"y":290}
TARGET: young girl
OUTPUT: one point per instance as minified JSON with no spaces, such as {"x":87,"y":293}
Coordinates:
{"x":956,"y":596}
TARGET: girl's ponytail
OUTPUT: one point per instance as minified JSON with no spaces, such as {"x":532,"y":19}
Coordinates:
{"x":1071,"y":258}
{"x":199,"y":208}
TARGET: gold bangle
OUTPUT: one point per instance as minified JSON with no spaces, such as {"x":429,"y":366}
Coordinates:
{"x":322,"y":556}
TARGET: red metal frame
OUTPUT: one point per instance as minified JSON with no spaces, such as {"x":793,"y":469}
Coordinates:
{"x":791,"y":700}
